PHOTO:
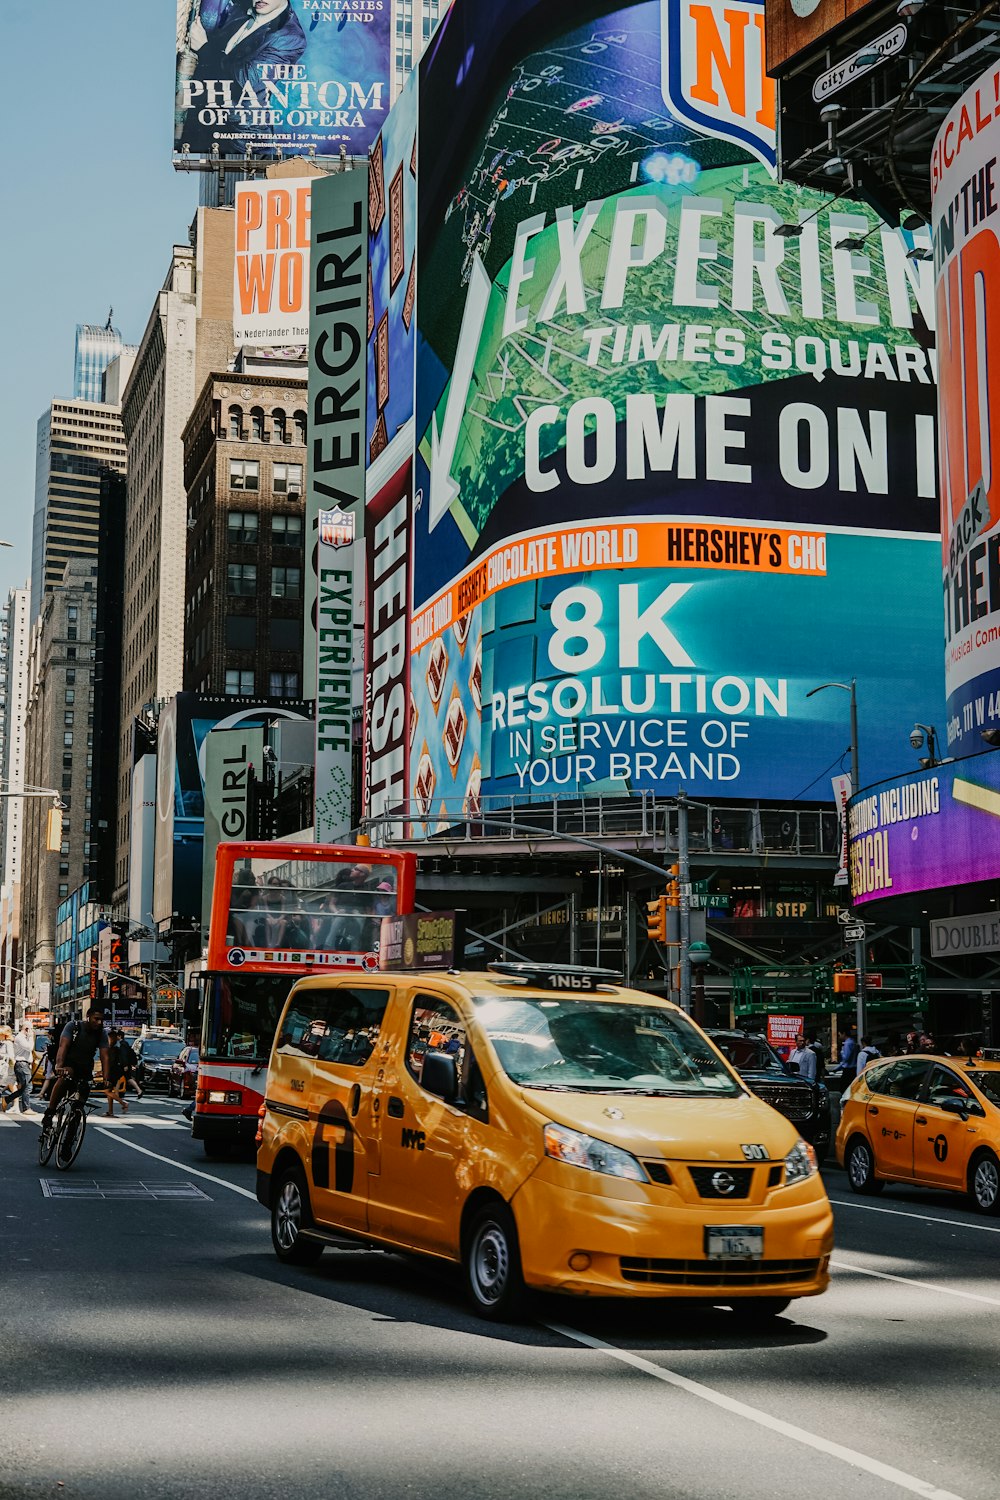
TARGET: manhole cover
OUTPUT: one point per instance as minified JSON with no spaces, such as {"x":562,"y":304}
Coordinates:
{"x":75,"y":1188}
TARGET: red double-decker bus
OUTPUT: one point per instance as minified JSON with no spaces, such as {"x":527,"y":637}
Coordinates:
{"x":278,"y":911}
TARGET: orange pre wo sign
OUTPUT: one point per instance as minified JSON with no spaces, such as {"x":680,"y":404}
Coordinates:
{"x":271,"y":272}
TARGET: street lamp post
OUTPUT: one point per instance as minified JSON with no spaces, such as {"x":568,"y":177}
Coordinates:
{"x":859,"y":946}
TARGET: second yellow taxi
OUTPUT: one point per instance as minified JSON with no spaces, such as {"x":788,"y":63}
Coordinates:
{"x":928,"y":1120}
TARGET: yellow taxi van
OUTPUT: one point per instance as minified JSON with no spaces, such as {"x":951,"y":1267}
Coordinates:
{"x":924,"y":1119}
{"x":543,"y":1128}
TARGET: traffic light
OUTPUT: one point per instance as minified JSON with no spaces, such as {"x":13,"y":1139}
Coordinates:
{"x":53,"y":830}
{"x":673,"y":896}
{"x":656,"y":920}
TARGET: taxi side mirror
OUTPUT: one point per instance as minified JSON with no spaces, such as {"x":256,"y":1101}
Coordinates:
{"x":440,"y":1076}
{"x":955,"y":1107}
{"x":791,"y":1067}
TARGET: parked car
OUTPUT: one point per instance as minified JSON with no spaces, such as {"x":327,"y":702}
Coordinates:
{"x":805,"y":1103}
{"x":156,"y":1058}
{"x":183,"y":1074}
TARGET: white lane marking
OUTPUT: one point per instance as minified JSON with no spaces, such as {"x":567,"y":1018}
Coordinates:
{"x":850,"y":1456}
{"x":903,"y":1213}
{"x":183,"y":1167}
{"x":925,"y":1286}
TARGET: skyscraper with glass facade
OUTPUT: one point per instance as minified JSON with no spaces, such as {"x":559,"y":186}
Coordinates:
{"x":94,"y":350}
{"x":414,"y":23}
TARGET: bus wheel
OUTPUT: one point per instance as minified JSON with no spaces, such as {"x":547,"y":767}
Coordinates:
{"x":289,"y":1217}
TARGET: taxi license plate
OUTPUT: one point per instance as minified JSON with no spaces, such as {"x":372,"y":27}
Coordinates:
{"x":734,"y":1242}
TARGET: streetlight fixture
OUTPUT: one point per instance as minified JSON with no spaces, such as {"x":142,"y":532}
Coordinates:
{"x":859,"y":947}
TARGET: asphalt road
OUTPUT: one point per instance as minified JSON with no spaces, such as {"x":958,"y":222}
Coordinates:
{"x":153,"y":1347}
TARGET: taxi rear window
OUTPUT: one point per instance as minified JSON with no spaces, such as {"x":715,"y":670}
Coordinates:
{"x":600,"y":1046}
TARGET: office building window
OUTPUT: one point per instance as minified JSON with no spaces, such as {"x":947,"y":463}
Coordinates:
{"x":242,"y":526}
{"x":70,"y":677}
{"x":241,"y":632}
{"x":288,"y":479}
{"x":256,"y":425}
{"x":286,"y":583}
{"x":70,"y":695}
{"x":241,"y":578}
{"x":68,"y":739}
{"x":244,"y":474}
{"x":286,"y":531}
{"x":236,"y":422}
{"x":286,"y":635}
{"x":279,"y":423}
{"x":63,"y":889}
{"x":283,"y":685}
{"x":238,"y":682}
{"x":300,"y":426}
{"x":67,"y":781}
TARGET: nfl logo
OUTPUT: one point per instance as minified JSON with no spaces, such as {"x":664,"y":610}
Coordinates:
{"x":713,"y":72}
{"x":336,"y":528}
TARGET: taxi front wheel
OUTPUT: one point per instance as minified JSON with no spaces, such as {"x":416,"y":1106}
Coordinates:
{"x":984,"y":1182}
{"x":289,"y":1217}
{"x":860,"y":1163}
{"x":492,"y":1263}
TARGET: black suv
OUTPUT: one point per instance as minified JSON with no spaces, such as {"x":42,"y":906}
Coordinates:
{"x":806,"y":1104}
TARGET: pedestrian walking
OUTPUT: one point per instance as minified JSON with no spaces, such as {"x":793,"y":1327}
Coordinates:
{"x":51,"y":1053}
{"x":849,"y":1054}
{"x":114,"y":1084}
{"x":130,"y":1064}
{"x":804,"y":1058}
{"x":868,"y":1054}
{"x":816,"y":1047}
{"x":6,"y":1067}
{"x":24,"y":1054}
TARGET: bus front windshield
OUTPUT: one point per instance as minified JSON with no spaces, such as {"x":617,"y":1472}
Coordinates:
{"x":241,"y":1015}
{"x":597,"y":1046}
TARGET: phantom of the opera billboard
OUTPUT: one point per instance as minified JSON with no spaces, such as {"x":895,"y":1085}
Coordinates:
{"x":289,"y":74}
{"x":674,"y":462}
{"x":966,"y":218}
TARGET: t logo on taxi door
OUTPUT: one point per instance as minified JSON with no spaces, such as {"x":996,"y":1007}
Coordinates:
{"x":413,"y":1140}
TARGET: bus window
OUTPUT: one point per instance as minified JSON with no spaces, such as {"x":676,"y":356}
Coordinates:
{"x":303,"y":905}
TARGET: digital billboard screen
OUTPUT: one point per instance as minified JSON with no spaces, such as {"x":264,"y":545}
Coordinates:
{"x":966,"y":223}
{"x":289,"y":74}
{"x":937,"y":828}
{"x":673,"y":469}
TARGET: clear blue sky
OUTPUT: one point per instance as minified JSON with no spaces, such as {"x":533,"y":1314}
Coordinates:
{"x":91,"y":207}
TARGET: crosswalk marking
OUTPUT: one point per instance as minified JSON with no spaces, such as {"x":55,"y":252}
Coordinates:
{"x":151,"y":1122}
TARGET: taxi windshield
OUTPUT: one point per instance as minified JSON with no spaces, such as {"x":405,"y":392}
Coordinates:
{"x":597,"y":1046}
{"x":987,"y":1083}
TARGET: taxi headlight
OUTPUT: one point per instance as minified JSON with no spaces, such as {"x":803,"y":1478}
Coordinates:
{"x":579,"y":1150}
{"x":800,"y":1163}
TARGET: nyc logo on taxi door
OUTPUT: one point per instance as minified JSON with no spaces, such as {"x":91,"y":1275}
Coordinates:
{"x":713,"y":72}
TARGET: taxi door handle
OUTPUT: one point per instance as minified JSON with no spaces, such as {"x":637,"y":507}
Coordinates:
{"x":873,"y":1109}
{"x":355,"y":1098}
{"x":921,"y":1119}
{"x":395,"y":1107}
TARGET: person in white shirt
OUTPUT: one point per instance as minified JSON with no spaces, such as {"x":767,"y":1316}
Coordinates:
{"x":805,"y":1057}
{"x":23,"y":1049}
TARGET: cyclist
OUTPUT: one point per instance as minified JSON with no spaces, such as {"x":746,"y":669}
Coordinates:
{"x":78,"y":1044}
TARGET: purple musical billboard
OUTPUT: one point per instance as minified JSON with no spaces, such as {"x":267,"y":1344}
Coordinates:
{"x":937,"y":828}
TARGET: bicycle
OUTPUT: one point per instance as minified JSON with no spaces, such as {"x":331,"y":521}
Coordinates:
{"x":65,"y":1131}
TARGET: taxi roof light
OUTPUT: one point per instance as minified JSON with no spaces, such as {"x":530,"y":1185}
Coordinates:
{"x":568,"y":978}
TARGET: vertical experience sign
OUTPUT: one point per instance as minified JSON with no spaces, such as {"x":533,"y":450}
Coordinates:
{"x":336,"y":483}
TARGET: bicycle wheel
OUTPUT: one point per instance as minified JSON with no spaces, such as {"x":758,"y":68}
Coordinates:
{"x":48,"y":1137}
{"x":70,"y":1138}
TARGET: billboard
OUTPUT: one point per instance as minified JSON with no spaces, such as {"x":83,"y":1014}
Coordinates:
{"x":182,"y":731}
{"x":966,"y":225}
{"x":794,"y":26}
{"x":335,"y":487}
{"x":936,"y":828}
{"x":294,"y":75}
{"x":673,"y":469}
{"x":392,"y":273}
{"x":271,"y":269}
